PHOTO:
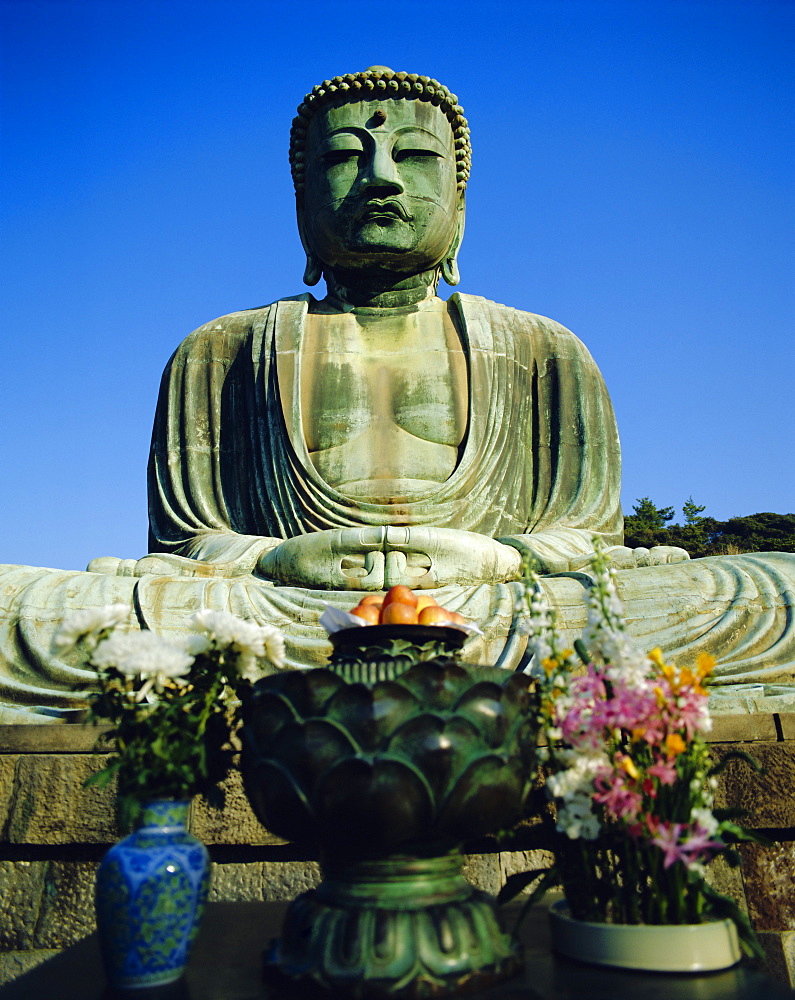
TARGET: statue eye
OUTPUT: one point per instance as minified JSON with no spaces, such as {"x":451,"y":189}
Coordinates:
{"x":335,"y":156}
{"x":400,"y":155}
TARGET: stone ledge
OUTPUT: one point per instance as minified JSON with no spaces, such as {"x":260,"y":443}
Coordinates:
{"x":766,"y":798}
{"x":745,"y":728}
{"x":55,"y":738}
{"x":16,"y":963}
{"x":82,"y":738}
{"x":43,"y":801}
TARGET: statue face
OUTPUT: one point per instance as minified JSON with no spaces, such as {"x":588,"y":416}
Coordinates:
{"x":381,"y":186}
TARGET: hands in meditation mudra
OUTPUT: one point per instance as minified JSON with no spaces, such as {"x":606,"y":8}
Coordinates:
{"x":312,"y":449}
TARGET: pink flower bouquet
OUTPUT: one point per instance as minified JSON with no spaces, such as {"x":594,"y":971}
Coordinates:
{"x":629,"y":781}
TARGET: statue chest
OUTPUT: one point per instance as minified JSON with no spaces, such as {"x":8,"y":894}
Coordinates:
{"x":384,"y":401}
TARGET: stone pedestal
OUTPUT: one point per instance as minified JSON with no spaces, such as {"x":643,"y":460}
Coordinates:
{"x":53,"y":833}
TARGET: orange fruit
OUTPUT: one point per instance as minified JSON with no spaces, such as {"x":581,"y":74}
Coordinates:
{"x":369,"y":612}
{"x":455,"y":618}
{"x":434,"y":615}
{"x":377,"y":599}
{"x":400,"y":594}
{"x":398,"y":613}
{"x":424,"y":601}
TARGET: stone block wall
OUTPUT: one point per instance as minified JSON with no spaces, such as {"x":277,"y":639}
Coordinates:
{"x":53,"y":833}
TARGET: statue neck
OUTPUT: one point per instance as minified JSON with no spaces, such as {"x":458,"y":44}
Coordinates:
{"x":380,"y":290}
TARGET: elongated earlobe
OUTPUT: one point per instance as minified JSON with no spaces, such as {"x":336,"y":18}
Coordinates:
{"x":313,"y":269}
{"x":450,"y":271}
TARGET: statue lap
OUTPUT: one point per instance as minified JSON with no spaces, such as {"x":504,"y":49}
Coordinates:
{"x":739,"y":608}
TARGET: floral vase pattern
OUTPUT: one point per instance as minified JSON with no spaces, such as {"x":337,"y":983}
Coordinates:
{"x":150,"y":895}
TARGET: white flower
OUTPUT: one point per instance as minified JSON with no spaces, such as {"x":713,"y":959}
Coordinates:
{"x":85,"y":624}
{"x":196,"y":644}
{"x":576,"y":780}
{"x":250,"y":641}
{"x":705,"y":819}
{"x":274,"y":645}
{"x":147,"y":655}
{"x":576,"y":819}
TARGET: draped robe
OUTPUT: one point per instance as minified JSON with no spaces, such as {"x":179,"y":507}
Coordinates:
{"x":230,"y":476}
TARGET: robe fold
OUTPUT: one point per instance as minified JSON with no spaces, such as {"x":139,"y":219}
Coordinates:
{"x":230,"y":477}
{"x":229,"y":457}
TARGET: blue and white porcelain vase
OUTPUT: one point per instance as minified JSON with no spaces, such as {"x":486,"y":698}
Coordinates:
{"x":150,"y":895}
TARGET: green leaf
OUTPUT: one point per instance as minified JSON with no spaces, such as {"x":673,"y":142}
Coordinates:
{"x":743,"y":834}
{"x":515,"y":884}
{"x":104,"y":777}
{"x":725,"y":907}
{"x":547,"y":881}
{"x":735,"y":755}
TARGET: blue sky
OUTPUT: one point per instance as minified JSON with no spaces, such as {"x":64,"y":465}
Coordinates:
{"x":632,"y":178}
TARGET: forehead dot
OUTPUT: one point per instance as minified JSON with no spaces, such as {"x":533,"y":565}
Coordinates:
{"x":379,"y":116}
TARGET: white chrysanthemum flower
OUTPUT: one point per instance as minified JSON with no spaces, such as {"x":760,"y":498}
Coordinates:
{"x":249,"y":668}
{"x":252,"y":642}
{"x":224,"y":628}
{"x":274,"y":645}
{"x":143,"y":654}
{"x":85,"y":624}
{"x":196,"y":644}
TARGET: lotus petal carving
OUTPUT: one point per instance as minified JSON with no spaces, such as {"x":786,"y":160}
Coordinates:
{"x":390,"y":801}
{"x":443,"y":752}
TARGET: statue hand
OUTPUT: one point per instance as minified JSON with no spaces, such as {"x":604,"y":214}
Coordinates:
{"x":337,"y":559}
{"x":427,"y":557}
{"x":156,"y":564}
{"x":623,"y":557}
{"x":379,"y":558}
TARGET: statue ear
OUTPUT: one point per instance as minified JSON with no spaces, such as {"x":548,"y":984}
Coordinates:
{"x":450,"y":271}
{"x":314,"y":266}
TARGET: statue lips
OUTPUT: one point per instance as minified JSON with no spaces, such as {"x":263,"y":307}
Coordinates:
{"x":387,"y":209}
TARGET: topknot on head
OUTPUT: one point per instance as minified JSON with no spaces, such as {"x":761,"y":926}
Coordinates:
{"x":374,"y":82}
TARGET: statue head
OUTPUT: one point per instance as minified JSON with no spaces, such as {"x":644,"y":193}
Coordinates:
{"x":380,"y":161}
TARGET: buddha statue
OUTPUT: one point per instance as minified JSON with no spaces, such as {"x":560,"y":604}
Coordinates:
{"x":315,"y":448}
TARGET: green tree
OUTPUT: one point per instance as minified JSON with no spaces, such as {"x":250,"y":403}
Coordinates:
{"x":646,"y":526}
{"x":704,"y":536}
{"x":692,"y":512}
{"x":694,"y":535}
{"x":763,"y":532}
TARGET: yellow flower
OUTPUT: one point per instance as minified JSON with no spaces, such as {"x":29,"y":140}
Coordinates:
{"x":550,"y":665}
{"x":687,"y":677}
{"x":705,"y":664}
{"x":656,"y":656}
{"x":659,"y":694}
{"x":627,"y":764}
{"x":674,"y":744}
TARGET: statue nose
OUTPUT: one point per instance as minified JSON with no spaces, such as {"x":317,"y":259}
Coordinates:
{"x":382,"y":172}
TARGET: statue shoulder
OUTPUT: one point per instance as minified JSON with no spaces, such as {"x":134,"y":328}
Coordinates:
{"x":224,"y":336}
{"x":523,"y":325}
